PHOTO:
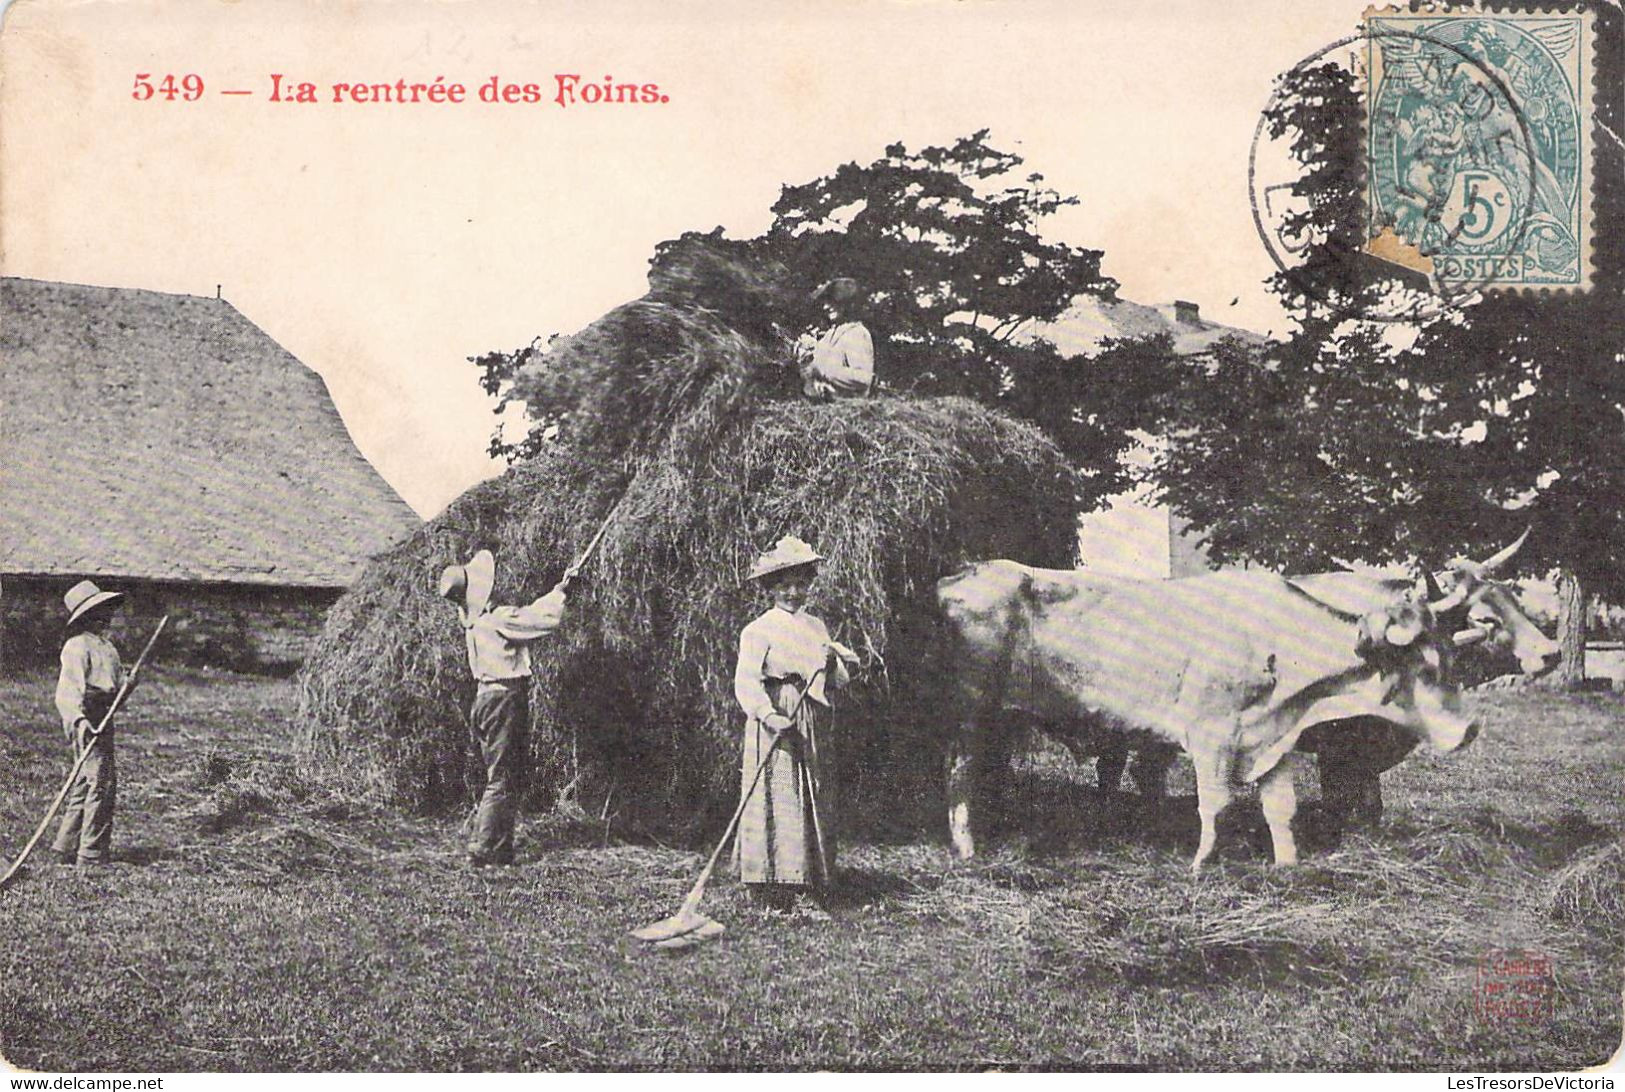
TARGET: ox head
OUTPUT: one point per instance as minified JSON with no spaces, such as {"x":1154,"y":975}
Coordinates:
{"x":1479,"y":609}
{"x":1410,"y":642}
{"x":1391,"y":662}
{"x":1405,"y":642}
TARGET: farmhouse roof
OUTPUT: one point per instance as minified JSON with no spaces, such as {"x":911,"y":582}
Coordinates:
{"x":166,"y":437}
{"x":1090,"y":320}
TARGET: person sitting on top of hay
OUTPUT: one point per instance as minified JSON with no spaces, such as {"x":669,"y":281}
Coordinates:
{"x":89,"y":681}
{"x":840,"y":363}
{"x":786,"y":835}
{"x":498,"y":641}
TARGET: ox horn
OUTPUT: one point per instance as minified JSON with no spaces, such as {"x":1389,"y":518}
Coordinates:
{"x":1488,"y":566}
{"x":1468,"y":573}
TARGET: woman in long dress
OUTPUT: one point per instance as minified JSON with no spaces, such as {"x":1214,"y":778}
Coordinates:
{"x":786,"y":832}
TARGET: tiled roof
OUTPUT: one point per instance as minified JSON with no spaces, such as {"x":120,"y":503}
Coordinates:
{"x":148,"y":435}
{"x":1090,"y":320}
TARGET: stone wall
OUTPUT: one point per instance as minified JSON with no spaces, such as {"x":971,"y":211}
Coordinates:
{"x":240,"y":627}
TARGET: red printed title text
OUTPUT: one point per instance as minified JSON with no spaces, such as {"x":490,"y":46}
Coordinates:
{"x":565,"y":89}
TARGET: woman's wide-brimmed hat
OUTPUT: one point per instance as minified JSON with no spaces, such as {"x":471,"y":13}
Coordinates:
{"x":470,"y":584}
{"x":788,"y":553}
{"x":839,"y":289}
{"x":85,"y":597}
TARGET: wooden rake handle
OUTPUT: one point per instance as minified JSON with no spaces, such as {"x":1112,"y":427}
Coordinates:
{"x":84,"y":753}
{"x":581,"y":559}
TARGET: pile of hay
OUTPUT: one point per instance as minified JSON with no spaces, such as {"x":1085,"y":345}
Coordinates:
{"x":1590,"y":889}
{"x":683,"y":411}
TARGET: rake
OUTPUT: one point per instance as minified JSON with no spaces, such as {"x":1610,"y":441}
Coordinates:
{"x":688,"y":926}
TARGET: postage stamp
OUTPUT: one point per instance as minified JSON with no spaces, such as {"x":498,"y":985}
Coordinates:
{"x":1478,"y":143}
{"x":1515,"y":985}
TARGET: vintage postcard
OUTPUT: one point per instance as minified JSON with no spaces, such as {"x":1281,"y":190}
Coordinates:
{"x":886,"y":536}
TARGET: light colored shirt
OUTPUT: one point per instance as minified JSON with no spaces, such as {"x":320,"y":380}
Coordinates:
{"x":89,"y":662}
{"x":844,"y":359}
{"x":499,"y":640}
{"x":777,"y":644}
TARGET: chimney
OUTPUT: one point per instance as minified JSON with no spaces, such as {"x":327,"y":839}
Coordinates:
{"x":1187,"y":313}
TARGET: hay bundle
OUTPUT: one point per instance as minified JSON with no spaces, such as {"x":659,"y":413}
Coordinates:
{"x":1590,"y":889}
{"x":632,"y":702}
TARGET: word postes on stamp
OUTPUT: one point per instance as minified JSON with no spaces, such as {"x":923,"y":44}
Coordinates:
{"x":1478,"y":143}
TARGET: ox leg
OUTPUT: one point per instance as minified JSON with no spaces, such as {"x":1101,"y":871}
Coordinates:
{"x":995,"y":773}
{"x":1351,"y":794}
{"x":962,"y":750}
{"x":1111,"y":761}
{"x":1212,"y":797}
{"x":1366,"y":810}
{"x":1351,"y":759}
{"x":1277,"y":792}
{"x":1150,"y":773}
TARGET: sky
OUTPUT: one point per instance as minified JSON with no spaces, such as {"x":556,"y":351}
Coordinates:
{"x":384,"y":243}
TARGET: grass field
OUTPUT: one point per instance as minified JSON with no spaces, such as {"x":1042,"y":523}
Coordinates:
{"x":252,"y":924}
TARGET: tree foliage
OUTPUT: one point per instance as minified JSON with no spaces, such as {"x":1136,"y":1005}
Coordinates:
{"x":946,"y":242}
{"x":1346,"y":442}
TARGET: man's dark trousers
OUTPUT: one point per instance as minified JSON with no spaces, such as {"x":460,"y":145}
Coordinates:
{"x":499,"y":720}
{"x":86,"y":830}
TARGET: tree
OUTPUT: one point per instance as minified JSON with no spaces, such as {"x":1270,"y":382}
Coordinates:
{"x":946,"y":243}
{"x":1343,"y":442}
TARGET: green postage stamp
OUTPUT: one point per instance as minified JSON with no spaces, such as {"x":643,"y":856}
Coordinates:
{"x":1478,"y":142}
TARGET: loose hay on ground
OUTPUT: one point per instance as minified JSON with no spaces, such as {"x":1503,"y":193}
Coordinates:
{"x":1368,"y":910}
{"x":1590,"y":890}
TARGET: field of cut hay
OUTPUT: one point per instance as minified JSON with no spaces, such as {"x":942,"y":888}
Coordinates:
{"x":1078,"y":940}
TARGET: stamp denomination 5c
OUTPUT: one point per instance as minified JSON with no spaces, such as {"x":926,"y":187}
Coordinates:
{"x":1478,"y":142}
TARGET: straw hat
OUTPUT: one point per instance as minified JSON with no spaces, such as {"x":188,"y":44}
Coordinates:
{"x":85,"y":597}
{"x":470,"y":583}
{"x":788,"y":553}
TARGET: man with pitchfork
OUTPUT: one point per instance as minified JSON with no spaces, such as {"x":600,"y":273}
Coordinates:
{"x":498,"y":641}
